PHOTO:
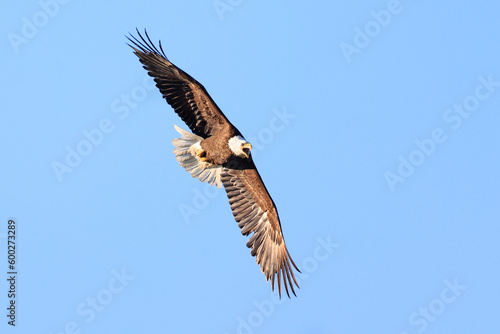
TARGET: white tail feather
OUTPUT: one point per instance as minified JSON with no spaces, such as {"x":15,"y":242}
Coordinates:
{"x":185,"y":153}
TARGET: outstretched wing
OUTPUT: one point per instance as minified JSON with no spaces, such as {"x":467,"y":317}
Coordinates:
{"x":187,"y":96}
{"x":255,"y":212}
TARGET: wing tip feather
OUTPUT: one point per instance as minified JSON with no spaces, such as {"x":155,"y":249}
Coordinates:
{"x":143,"y":45}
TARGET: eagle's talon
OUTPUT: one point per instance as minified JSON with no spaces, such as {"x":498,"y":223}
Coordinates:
{"x":202,"y":155}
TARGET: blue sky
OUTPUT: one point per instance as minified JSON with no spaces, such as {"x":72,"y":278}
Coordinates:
{"x":375,"y":128}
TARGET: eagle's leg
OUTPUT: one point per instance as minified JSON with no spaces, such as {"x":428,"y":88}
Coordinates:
{"x":199,"y":153}
{"x":193,"y":158}
{"x":202,"y":155}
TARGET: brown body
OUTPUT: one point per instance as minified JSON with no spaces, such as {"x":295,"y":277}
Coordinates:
{"x":217,"y":148}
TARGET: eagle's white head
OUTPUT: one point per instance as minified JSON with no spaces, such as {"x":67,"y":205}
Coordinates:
{"x":240,"y":146}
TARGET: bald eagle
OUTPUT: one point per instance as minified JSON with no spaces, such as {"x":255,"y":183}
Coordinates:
{"x":217,"y":153}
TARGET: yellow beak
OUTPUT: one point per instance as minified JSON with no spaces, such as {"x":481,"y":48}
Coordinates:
{"x":247,"y":148}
